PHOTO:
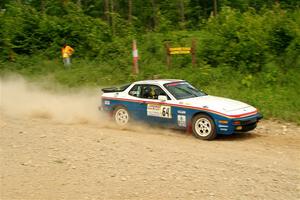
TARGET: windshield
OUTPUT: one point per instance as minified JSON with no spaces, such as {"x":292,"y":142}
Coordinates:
{"x":183,"y":90}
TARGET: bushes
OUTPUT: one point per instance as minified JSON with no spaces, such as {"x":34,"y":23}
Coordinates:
{"x":247,"y":41}
{"x":251,"y":56}
{"x":28,"y":32}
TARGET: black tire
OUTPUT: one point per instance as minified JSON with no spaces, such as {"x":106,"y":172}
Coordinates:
{"x":204,"y":127}
{"x":121,"y":116}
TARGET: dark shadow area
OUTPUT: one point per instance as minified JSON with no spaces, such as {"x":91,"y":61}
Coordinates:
{"x":238,"y":137}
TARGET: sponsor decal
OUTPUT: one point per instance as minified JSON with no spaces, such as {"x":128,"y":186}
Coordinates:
{"x":181,"y":120}
{"x":157,"y":110}
{"x":181,"y":112}
{"x":106,"y":102}
{"x":153,"y":110}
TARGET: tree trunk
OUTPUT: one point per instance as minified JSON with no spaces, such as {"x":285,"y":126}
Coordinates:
{"x":155,"y":18}
{"x":112,"y":18}
{"x":65,"y":2}
{"x":181,"y":11}
{"x":43,"y":6}
{"x":129,"y":11}
{"x":106,"y":11}
{"x":79,"y":3}
{"x":215,"y":7}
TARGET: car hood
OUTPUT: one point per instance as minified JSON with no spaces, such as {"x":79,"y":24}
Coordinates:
{"x":219,"y":104}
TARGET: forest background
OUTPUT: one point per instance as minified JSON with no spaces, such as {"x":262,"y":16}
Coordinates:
{"x":245,"y":49}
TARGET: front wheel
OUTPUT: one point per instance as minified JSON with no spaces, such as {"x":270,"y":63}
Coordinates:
{"x":203,"y":127}
{"x":121,"y":116}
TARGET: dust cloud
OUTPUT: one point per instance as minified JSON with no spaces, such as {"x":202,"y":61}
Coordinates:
{"x":21,"y":98}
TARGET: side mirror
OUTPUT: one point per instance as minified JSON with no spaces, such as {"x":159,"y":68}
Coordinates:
{"x":162,"y":98}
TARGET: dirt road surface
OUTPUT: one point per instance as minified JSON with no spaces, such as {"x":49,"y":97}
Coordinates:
{"x":47,"y":153}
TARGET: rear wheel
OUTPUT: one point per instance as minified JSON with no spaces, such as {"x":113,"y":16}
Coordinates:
{"x":121,"y":116}
{"x":203,"y":127}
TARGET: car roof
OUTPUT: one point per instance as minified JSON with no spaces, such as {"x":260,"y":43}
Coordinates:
{"x":157,"y":81}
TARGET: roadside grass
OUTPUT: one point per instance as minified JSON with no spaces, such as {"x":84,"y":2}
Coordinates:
{"x":276,"y":95}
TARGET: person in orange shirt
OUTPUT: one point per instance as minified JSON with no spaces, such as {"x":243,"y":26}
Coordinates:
{"x":67,"y":52}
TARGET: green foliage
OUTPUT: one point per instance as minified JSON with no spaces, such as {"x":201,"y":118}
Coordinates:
{"x":247,"y":41}
{"x":27,"y":32}
{"x":250,"y":51}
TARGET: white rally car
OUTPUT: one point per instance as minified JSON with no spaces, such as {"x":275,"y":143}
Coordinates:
{"x":177,"y":104}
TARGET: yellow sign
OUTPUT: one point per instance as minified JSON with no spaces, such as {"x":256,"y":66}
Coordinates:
{"x":180,"y":50}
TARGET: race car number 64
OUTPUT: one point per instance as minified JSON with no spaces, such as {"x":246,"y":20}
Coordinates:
{"x":166,"y":111}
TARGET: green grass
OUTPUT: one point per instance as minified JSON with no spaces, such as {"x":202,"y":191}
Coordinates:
{"x":276,"y":95}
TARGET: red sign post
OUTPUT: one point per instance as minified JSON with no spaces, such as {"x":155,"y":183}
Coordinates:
{"x":135,"y":66}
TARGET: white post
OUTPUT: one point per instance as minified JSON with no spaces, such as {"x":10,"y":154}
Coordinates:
{"x":135,"y":67}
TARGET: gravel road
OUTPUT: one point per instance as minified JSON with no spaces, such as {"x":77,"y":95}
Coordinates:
{"x":42,"y":159}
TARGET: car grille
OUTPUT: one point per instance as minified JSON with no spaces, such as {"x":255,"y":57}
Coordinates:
{"x":248,"y":122}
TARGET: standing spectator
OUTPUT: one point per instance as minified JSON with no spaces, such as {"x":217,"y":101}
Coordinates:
{"x":66,"y":52}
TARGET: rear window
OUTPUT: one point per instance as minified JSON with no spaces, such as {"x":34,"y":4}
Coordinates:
{"x":124,"y":87}
{"x":116,"y":89}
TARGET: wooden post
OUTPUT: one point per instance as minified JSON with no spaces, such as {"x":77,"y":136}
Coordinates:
{"x":135,"y":66}
{"x":193,"y":52}
{"x":167,"y":46}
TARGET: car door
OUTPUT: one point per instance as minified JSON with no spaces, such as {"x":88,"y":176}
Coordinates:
{"x":148,"y":107}
{"x":157,"y":111}
{"x":137,"y":107}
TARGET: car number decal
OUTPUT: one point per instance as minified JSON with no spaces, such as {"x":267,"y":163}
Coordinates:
{"x":157,"y":110}
{"x":166,"y":111}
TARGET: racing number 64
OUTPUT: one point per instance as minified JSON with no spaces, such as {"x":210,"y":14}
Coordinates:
{"x":166,"y":112}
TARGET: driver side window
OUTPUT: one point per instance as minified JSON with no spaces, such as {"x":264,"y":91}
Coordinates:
{"x":136,"y":91}
{"x":147,"y":91}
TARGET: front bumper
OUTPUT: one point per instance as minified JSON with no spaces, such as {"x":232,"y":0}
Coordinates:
{"x":246,"y":124}
{"x":230,"y":126}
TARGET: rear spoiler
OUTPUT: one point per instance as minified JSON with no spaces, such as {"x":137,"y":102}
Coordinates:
{"x":113,"y":89}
